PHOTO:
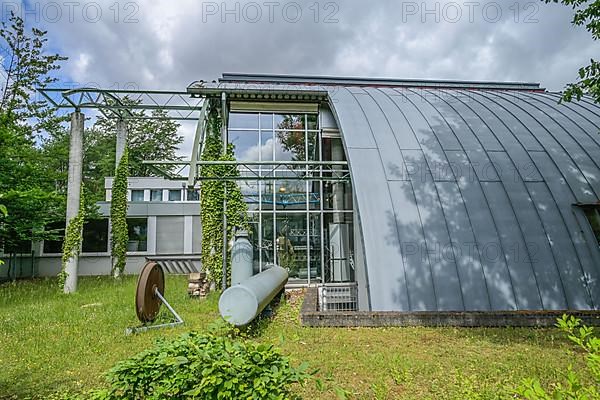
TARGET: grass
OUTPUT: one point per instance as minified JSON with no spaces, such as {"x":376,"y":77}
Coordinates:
{"x":51,"y":343}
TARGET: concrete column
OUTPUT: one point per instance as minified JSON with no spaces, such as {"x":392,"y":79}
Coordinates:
{"x":188,"y":234}
{"x":74,"y":190}
{"x":121,"y":140}
{"x":151,"y":235}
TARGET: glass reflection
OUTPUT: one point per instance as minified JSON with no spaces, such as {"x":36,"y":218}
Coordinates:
{"x":245,"y":145}
{"x":243,"y":121}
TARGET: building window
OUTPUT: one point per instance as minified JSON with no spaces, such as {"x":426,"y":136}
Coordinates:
{"x":137,"y":195}
{"x":175,"y":195}
{"x":156,"y":195}
{"x":95,"y":236}
{"x":138,"y":234}
{"x":57,"y":229}
{"x":18,"y":247}
{"x":193,"y":195}
{"x":593,"y":215}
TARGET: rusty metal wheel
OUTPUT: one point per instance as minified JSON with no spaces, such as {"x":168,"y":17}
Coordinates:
{"x":147,"y":304}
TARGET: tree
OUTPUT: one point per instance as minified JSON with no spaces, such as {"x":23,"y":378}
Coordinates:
{"x":26,"y":192}
{"x":26,"y":184}
{"x":148,"y":139}
{"x":26,"y":68}
{"x":587,"y":13}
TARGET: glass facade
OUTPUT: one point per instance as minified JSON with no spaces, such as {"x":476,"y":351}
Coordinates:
{"x":302,"y":225}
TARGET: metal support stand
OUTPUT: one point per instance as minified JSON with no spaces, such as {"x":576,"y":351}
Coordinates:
{"x":178,"y":319}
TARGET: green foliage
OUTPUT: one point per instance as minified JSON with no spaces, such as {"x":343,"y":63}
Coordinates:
{"x":25,"y":186}
{"x":28,"y":212}
{"x":574,"y":388}
{"x":587,"y":14}
{"x":147,"y":139}
{"x":26,"y":182}
{"x":155,"y":139}
{"x":211,"y":201}
{"x":204,"y":366}
{"x":25,"y":68}
{"x":118,"y":215}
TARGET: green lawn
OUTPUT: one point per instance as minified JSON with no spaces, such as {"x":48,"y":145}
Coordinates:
{"x":50,"y":342}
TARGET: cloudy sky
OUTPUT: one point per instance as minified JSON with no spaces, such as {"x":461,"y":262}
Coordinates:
{"x":167,"y":44}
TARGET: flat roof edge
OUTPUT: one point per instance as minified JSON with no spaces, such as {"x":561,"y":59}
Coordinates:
{"x":358,"y":81}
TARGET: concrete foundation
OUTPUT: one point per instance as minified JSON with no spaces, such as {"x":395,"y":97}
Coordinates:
{"x":311,"y":316}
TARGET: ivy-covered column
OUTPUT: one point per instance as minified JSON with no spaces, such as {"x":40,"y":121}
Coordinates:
{"x":74,"y":194}
{"x":225,"y":140}
{"x":118,"y":204}
{"x":216,"y":258}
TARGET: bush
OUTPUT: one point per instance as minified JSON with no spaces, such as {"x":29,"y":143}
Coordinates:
{"x":574,"y":388}
{"x":204,"y":366}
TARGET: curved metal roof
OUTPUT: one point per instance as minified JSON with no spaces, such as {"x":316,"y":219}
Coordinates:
{"x":466,"y":198}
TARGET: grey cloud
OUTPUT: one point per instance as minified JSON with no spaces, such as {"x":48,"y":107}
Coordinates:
{"x":171,"y":45}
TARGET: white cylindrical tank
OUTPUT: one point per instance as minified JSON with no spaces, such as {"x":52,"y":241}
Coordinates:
{"x":240,"y":304}
{"x":241,"y":258}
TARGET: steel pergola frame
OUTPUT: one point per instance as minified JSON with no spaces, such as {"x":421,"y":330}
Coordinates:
{"x":123,"y":103}
{"x":131,"y":104}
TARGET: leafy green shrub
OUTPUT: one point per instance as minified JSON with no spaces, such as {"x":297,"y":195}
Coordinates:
{"x":574,"y":388}
{"x":204,"y":366}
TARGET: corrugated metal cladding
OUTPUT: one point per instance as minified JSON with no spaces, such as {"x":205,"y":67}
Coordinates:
{"x":466,"y":197}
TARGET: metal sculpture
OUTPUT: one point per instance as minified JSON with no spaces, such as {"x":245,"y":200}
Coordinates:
{"x":149,"y":296}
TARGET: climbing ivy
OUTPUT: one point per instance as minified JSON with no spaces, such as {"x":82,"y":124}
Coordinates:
{"x":72,"y":241}
{"x":118,"y":216}
{"x":211,"y":201}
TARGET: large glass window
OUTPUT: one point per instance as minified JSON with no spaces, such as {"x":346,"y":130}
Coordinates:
{"x":56,"y":229}
{"x":138,"y":234}
{"x":303,"y":225}
{"x":95,"y":236}
{"x":18,"y":247}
